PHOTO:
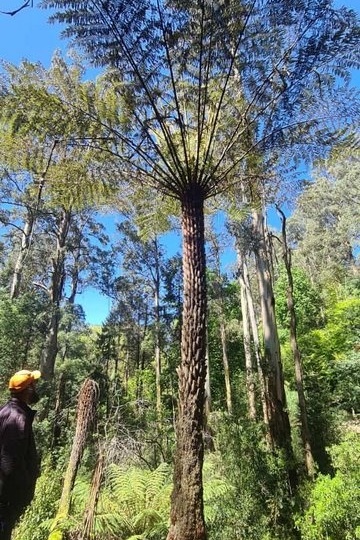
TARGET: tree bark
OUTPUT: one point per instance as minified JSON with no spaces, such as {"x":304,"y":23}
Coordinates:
{"x":305,"y":432}
{"x":250,"y":382}
{"x":85,"y":415}
{"x":207,"y":381}
{"x":279,"y":424}
{"x":156,"y":279}
{"x":220,"y":304}
{"x":56,"y":293}
{"x":245,"y":284}
{"x":187,"y":509}
{"x":25,"y":244}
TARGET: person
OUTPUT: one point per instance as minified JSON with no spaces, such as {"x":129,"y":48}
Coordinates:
{"x":19,"y":463}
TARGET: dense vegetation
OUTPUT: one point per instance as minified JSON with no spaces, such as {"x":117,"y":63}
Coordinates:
{"x":225,"y":394}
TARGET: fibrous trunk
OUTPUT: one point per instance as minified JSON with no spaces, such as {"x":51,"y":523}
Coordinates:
{"x":187,"y":513}
{"x":86,"y":411}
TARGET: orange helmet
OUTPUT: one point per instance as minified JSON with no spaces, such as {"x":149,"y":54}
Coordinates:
{"x":22,"y":379}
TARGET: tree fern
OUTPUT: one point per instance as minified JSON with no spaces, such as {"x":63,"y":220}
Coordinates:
{"x":133,"y":503}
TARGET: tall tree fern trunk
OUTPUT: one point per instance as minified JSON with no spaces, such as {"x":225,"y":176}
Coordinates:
{"x":187,"y":512}
{"x":86,"y":410}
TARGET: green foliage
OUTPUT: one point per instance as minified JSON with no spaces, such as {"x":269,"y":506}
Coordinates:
{"x":253,"y":501}
{"x":334,"y":503}
{"x":21,"y":334}
{"x":134,"y":504}
{"x":37,"y":520}
{"x":346,"y":383}
{"x":326,"y":221}
{"x":340,"y":334}
{"x":224,"y":302}
{"x":307,"y":300}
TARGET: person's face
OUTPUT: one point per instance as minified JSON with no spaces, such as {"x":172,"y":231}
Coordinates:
{"x":32,"y":396}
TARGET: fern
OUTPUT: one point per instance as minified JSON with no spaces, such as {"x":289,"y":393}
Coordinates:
{"x":134,"y":504}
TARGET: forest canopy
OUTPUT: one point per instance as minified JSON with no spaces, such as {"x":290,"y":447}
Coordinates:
{"x":217,"y":400}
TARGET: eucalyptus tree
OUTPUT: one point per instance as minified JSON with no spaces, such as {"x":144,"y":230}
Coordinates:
{"x":325,"y":223}
{"x":130,"y":315}
{"x":90,"y":258}
{"x":299,"y":378}
{"x":219,"y":307}
{"x":37,"y":141}
{"x":21,"y":197}
{"x":145,"y":258}
{"x":194,"y":123}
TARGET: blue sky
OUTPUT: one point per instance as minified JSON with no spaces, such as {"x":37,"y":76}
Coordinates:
{"x":29,"y":36}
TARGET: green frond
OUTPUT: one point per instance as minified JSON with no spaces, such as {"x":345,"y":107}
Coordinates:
{"x":134,"y":502}
{"x":155,"y":217}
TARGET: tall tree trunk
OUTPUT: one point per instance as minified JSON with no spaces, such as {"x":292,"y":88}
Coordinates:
{"x":207,"y":380}
{"x":140,"y":356}
{"x":250,"y":382}
{"x":218,"y":286}
{"x":279,"y":424}
{"x":56,"y":430}
{"x":156,"y":278}
{"x":208,"y":434}
{"x":28,"y":231}
{"x":244,"y":280}
{"x":85,"y":415}
{"x":225,"y":359}
{"x":187,"y":508}
{"x":56,"y":293}
{"x":305,"y":432}
{"x":25,"y":244}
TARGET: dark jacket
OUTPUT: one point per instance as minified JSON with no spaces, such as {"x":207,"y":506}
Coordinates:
{"x":19,"y":464}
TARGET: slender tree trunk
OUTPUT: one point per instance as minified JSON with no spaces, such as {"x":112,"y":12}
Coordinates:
{"x":56,"y":431}
{"x":207,"y":381}
{"x":208,"y":434}
{"x":305,"y":432}
{"x":225,"y":359}
{"x":187,"y":509}
{"x":56,"y":293}
{"x":28,"y":231}
{"x":222,"y":321}
{"x":245,"y":284}
{"x":25,"y":244}
{"x":74,"y":278}
{"x":157,"y":334}
{"x":140,"y":356}
{"x":279,"y":424}
{"x":250,"y":382}
{"x":85,"y":415}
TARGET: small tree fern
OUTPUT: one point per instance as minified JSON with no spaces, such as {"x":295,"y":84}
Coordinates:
{"x":133,"y":504}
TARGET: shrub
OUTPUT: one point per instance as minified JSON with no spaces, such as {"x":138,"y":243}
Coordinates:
{"x":334,"y":503}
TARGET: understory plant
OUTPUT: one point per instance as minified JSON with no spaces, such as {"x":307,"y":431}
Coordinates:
{"x":333,"y":511}
{"x":256,"y":504}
